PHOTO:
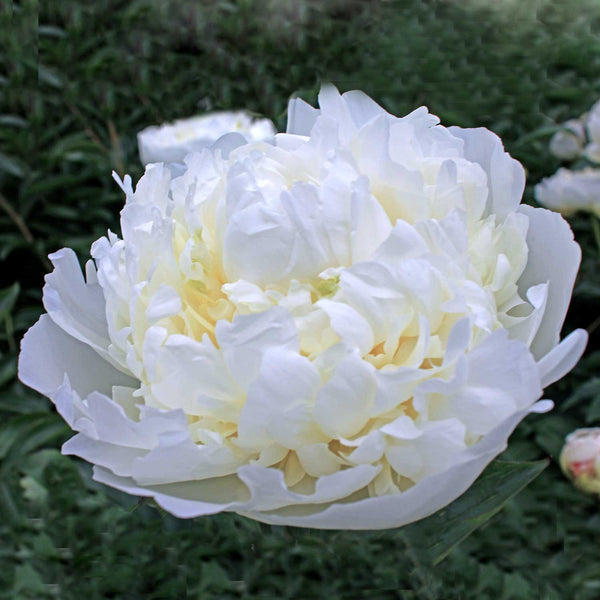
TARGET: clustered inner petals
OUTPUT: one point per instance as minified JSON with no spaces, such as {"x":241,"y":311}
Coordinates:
{"x":361,"y":284}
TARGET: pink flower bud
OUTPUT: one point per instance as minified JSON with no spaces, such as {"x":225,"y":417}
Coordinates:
{"x":580,"y":459}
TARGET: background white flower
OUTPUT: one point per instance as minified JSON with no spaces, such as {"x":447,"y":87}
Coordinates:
{"x":170,"y":143}
{"x":569,"y":191}
{"x":339,"y":330}
{"x":592,"y":149}
{"x":568,"y":142}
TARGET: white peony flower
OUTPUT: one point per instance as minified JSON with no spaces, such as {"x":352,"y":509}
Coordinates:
{"x":569,"y":191}
{"x":567,"y":143}
{"x":339,"y":330}
{"x":170,"y":143}
{"x":592,"y":149}
{"x":580,"y":459}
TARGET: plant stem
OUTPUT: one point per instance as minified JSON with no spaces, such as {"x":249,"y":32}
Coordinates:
{"x":596,"y":230}
{"x":22,"y":227}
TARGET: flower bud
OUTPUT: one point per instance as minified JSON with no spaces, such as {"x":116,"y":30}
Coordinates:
{"x":580,"y":459}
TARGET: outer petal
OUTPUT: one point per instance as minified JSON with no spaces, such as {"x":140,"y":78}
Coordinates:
{"x":75,"y":306}
{"x":554,"y":256}
{"x":48,"y":353}
{"x":184,"y":500}
{"x":562,"y":358}
{"x":179,"y":459}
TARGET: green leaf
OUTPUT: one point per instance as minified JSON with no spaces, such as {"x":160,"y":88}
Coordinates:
{"x":13,"y":121}
{"x":27,"y":581}
{"x":8,"y":297}
{"x":51,"y":31}
{"x":213,"y":577}
{"x":47,"y":76}
{"x":435,"y":537}
{"x":8,"y":369}
{"x":11,"y":166}
{"x":25,"y":433}
{"x":589,"y":390}
{"x":593,"y":411}
{"x":551,"y":430}
{"x":33,"y":490}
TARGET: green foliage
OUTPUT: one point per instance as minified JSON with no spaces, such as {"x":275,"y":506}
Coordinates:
{"x":78,"y":80}
{"x":435,"y":537}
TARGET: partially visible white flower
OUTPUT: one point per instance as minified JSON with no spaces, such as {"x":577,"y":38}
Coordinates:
{"x":580,"y":459}
{"x":170,"y":143}
{"x":337,"y":330}
{"x":592,"y":150}
{"x":569,"y":191}
{"x":567,"y":143}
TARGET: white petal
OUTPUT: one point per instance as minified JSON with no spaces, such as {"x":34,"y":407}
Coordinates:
{"x":333,"y":107}
{"x":244,"y":341}
{"x":343,"y":403}
{"x":279,"y":402}
{"x":402,"y":428}
{"x":189,"y":373}
{"x":562,"y":358}
{"x":258,"y":245}
{"x":369,"y":450}
{"x":506,"y":176}
{"x":269,"y":491}
{"x":353,"y":329}
{"x":406,"y":460}
{"x":48,"y":353}
{"x":108,"y":422}
{"x":164,"y":303}
{"x":525,"y":328}
{"x":423,"y":499}
{"x":554,"y":257}
{"x":75,"y":306}
{"x":362,"y":108}
{"x":187,"y":500}
{"x":181,"y":460}
{"x":404,"y":241}
{"x":118,"y":459}
{"x":317,"y":460}
{"x":301,"y":117}
{"x":503,"y":364}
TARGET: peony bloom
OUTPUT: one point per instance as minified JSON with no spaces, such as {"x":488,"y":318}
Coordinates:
{"x":569,"y":191}
{"x":567,"y":143}
{"x":338,"y":330}
{"x":170,"y":143}
{"x":580,"y":459}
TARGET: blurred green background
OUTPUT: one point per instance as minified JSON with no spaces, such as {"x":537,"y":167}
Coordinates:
{"x":78,"y":80}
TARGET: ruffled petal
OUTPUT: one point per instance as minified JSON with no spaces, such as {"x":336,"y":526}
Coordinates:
{"x":556,"y":263}
{"x":562,"y":358}
{"x":423,"y":499}
{"x":506,"y":176}
{"x":48,"y":353}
